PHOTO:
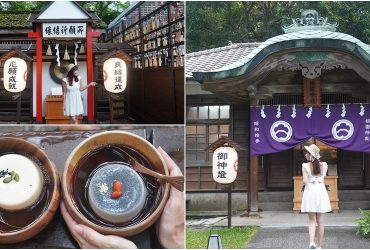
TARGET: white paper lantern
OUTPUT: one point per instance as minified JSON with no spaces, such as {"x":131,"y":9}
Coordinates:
{"x":115,"y":75}
{"x":15,"y":74}
{"x":225,"y":165}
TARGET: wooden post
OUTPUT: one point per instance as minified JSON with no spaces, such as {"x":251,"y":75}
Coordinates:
{"x":253,"y":186}
{"x":229,"y":199}
{"x":38,"y":37}
{"x":19,"y":108}
{"x":90,"y":72}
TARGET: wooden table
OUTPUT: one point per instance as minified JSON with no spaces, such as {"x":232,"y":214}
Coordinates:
{"x":58,"y":143}
{"x":332,"y":181}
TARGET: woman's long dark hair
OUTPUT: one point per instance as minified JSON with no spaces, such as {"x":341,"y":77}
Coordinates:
{"x":71,"y":76}
{"x":316,"y":166}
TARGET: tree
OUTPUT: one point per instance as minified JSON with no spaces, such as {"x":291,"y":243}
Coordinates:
{"x":214,"y":24}
{"x":106,"y":10}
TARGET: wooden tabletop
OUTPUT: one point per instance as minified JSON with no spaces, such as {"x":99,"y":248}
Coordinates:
{"x":59,"y":141}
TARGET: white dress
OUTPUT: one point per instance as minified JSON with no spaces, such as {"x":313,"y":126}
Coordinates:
{"x":315,"y":196}
{"x":73,"y":103}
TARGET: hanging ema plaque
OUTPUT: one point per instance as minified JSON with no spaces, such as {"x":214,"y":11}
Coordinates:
{"x":15,"y":74}
{"x":115,"y":75}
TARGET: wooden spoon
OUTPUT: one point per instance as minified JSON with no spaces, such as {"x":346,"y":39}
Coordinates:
{"x":176,"y":181}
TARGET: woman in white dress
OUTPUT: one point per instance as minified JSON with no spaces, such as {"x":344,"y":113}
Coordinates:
{"x":315,"y":199}
{"x":72,"y":88}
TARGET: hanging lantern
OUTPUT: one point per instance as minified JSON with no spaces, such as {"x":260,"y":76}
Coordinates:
{"x":82,"y":49}
{"x":115,"y":75}
{"x":66,"y":56}
{"x":15,"y":74}
{"x":225,"y":164}
{"x":48,"y":51}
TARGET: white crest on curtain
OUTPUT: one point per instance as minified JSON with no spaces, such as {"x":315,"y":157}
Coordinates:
{"x":57,"y":53}
{"x":263,"y":115}
{"x":327,"y":115}
{"x":294,"y":112}
{"x":278,"y":114}
{"x":309,"y":113}
{"x":362,"y":110}
{"x":343,"y":111}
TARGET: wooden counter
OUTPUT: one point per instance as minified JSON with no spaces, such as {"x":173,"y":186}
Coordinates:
{"x":332,"y":181}
{"x":54,"y":111}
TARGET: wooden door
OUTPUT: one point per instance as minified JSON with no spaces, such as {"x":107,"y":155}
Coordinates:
{"x":279,"y":169}
{"x":351,"y":174}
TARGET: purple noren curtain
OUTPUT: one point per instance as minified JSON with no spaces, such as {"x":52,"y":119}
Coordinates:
{"x":279,"y":128}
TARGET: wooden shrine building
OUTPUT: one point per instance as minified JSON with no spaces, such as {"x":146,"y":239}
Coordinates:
{"x":309,"y":68}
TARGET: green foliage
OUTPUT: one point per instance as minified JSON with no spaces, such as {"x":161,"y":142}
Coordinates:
{"x":232,"y":238}
{"x":364,"y":223}
{"x":106,"y":10}
{"x":214,"y":24}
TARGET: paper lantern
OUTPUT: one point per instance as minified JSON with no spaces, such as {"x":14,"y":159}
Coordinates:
{"x":115,"y":75}
{"x":225,"y":165}
{"x":15,"y":74}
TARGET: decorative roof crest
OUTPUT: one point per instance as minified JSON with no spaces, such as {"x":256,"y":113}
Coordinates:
{"x":310,"y":20}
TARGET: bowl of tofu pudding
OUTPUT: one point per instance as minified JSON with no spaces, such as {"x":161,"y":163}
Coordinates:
{"x":29,"y":190}
{"x":102,"y":190}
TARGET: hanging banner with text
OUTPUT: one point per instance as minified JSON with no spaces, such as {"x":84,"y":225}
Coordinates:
{"x":15,"y":74}
{"x":115,"y":75}
{"x":278,"y":128}
{"x":64,"y":30}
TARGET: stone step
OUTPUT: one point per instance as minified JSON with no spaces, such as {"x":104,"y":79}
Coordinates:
{"x":354,"y":195}
{"x":275,"y":206}
{"x":275,"y":196}
{"x":350,"y":205}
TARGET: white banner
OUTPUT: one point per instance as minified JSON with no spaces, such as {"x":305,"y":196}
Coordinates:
{"x":64,"y":30}
{"x":15,"y":74}
{"x":115,"y":75}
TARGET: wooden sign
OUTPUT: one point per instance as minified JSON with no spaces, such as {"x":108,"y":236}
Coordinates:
{"x":15,"y":74}
{"x":64,"y":30}
{"x":115,"y":75}
{"x":312,"y":92}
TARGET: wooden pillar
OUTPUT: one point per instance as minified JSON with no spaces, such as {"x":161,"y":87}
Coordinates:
{"x":38,"y":37}
{"x":252,"y":202}
{"x":253,"y":186}
{"x":90,"y":72}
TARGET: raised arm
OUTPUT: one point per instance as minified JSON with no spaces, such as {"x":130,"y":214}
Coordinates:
{"x":82,"y":88}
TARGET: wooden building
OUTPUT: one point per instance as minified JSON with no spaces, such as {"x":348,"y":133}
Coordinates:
{"x":310,"y":65}
{"x":156,"y":30}
{"x":162,"y":88}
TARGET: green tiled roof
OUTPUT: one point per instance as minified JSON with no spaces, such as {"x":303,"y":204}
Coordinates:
{"x":15,"y":20}
{"x":23,"y":20}
{"x":308,"y":39}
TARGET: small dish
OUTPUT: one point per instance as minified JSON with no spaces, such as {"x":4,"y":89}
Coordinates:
{"x":113,"y":147}
{"x":22,"y":224}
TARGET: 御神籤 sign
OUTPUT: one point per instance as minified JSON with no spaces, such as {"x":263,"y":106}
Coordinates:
{"x":64,"y":30}
{"x":115,"y":75}
{"x":15,"y":74}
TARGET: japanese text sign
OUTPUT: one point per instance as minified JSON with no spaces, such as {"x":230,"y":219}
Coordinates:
{"x":225,"y":165}
{"x":64,"y":30}
{"x":15,"y":74}
{"x":115,"y":75}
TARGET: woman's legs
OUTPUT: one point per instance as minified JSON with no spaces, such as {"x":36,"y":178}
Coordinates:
{"x":320,"y":224}
{"x":311,"y":226}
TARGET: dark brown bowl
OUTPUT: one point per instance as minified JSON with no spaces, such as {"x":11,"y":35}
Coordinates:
{"x":50,"y":204}
{"x":105,"y":140}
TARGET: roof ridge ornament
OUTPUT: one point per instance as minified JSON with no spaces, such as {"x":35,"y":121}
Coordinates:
{"x":310,"y":20}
